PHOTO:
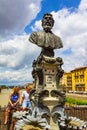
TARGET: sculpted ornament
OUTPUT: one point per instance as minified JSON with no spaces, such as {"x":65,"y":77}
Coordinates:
{"x":46,"y":39}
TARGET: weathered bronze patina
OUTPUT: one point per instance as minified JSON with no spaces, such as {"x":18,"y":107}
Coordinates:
{"x":47,"y":71}
{"x":46,"y":38}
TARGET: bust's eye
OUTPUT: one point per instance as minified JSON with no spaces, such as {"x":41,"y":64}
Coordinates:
{"x":46,"y":18}
{"x":50,"y":18}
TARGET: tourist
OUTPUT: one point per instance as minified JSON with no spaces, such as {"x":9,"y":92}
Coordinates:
{"x":26,"y":98}
{"x":14,"y":99}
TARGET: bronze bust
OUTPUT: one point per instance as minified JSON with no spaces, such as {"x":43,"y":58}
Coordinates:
{"x":45,"y":38}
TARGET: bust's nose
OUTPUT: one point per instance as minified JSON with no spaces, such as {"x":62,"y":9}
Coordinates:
{"x":48,"y":18}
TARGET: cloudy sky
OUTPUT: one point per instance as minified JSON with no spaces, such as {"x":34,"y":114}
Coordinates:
{"x":19,"y":18}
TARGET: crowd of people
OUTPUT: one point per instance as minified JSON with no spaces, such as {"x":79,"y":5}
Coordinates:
{"x":17,"y":101}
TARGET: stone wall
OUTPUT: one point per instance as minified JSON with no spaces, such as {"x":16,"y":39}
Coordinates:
{"x":77,"y":111}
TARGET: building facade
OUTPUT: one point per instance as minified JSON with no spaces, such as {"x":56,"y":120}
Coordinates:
{"x":75,"y":80}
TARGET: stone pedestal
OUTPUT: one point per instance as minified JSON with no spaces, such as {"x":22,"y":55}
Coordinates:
{"x":47,"y":72}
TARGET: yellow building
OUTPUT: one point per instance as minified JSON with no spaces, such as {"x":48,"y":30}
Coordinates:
{"x":69,"y":82}
{"x":63,"y":80}
{"x":75,"y":80}
{"x":66,"y":81}
{"x":79,"y":79}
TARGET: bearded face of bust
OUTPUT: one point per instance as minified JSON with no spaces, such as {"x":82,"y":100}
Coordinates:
{"x":47,"y":22}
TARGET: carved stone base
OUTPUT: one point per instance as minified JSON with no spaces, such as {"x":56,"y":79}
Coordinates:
{"x":48,"y":97}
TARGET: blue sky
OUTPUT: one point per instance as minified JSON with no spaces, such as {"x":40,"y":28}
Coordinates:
{"x":48,"y":6}
{"x":19,"y":18}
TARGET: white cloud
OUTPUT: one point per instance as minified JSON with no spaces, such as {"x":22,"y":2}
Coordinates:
{"x":16,"y":57}
{"x":16,"y":14}
{"x":17,"y":54}
{"x":72,"y":27}
{"x":37,"y":26}
{"x":83,"y":5}
{"x":16,"y":77}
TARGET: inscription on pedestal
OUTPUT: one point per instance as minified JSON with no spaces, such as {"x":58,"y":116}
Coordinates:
{"x":49,"y":77}
{"x":49,"y":80}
